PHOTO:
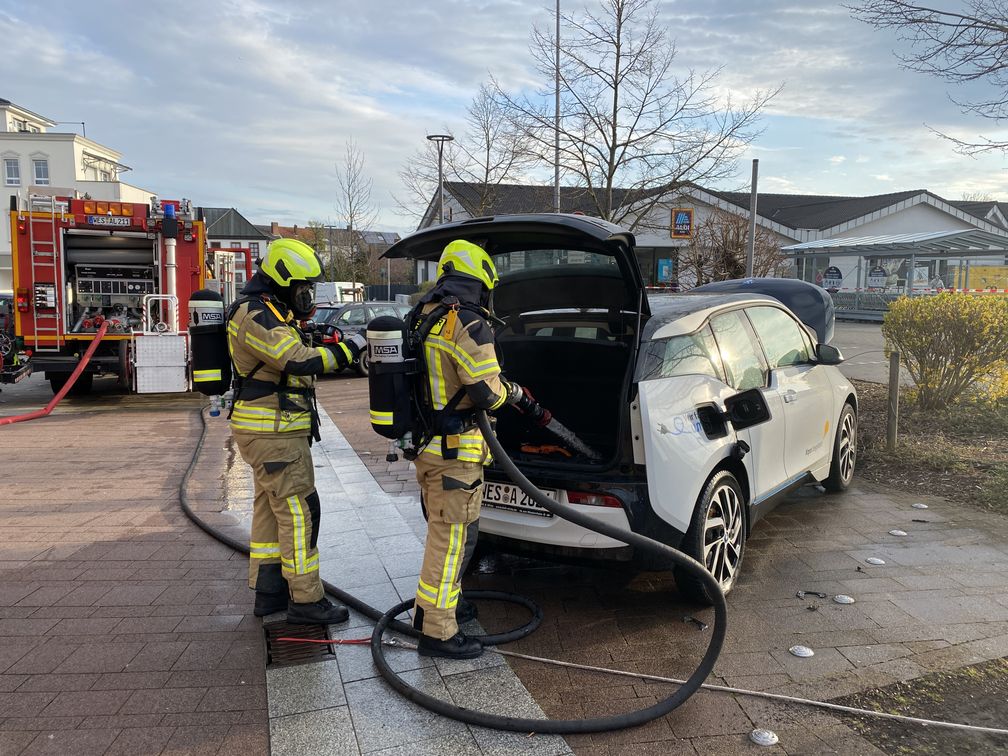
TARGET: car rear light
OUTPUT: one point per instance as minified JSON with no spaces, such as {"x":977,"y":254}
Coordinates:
{"x":594,"y":500}
{"x":22,"y":300}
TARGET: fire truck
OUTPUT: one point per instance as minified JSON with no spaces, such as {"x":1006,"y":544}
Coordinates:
{"x":81,"y":263}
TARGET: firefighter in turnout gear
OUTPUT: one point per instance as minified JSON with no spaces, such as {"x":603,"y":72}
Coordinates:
{"x":274,"y":419}
{"x":462,"y":375}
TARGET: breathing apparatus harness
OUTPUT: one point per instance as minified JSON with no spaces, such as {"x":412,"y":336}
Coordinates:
{"x":402,"y":408}
{"x":214,"y":371}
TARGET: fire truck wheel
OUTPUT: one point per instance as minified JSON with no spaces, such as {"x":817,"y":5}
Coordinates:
{"x":83,"y":385}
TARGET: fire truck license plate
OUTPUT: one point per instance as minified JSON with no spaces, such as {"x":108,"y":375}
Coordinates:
{"x":108,"y":220}
{"x":512,"y":498}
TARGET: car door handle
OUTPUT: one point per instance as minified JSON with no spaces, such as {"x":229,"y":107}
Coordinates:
{"x":790,"y":395}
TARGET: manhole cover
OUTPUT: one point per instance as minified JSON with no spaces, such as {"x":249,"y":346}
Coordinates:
{"x":281,"y":653}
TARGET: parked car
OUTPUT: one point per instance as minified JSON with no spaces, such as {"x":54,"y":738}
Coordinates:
{"x":649,"y":385}
{"x":353,"y":317}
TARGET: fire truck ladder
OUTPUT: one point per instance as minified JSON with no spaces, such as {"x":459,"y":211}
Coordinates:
{"x":45,"y":256}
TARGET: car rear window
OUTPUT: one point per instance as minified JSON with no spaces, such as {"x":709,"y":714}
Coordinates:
{"x":514,"y":262}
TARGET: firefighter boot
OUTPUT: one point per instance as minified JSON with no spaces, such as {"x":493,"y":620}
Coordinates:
{"x":459,"y":646}
{"x":321,"y":612}
{"x":271,"y":590}
{"x":466,"y":611}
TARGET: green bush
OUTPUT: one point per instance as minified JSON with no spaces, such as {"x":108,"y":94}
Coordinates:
{"x":950,"y":343}
{"x":425,"y":286}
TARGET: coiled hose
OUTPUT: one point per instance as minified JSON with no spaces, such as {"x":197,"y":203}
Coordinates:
{"x":386,"y":620}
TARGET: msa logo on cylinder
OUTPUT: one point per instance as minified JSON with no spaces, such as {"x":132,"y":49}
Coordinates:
{"x":386,"y":350}
{"x":206,"y":318}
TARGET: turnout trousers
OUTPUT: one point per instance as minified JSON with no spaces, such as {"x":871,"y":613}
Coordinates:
{"x":451,"y":492}
{"x":286,"y":511}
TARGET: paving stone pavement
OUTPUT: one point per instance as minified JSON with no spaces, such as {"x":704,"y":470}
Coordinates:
{"x":937,"y":604}
{"x":123,"y":628}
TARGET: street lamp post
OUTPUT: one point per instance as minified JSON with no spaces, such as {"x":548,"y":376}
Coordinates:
{"x":439,"y":140}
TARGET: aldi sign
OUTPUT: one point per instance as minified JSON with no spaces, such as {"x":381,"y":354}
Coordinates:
{"x":682,"y":223}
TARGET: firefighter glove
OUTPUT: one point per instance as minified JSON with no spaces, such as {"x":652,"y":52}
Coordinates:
{"x":527,"y":405}
{"x":356,"y":343}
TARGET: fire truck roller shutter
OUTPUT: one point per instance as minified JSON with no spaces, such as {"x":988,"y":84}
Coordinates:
{"x":108,"y":250}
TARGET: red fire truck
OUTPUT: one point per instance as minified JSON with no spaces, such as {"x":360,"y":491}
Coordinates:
{"x":79,"y":263}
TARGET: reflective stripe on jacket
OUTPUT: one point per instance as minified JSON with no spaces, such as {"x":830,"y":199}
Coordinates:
{"x":262,"y":331}
{"x":460,"y":355}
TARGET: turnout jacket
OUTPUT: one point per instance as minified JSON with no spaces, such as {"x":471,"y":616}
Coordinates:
{"x":460,"y":356}
{"x":275,"y":365}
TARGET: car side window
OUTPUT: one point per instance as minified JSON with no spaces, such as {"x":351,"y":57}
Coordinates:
{"x":783,"y":342}
{"x":377,"y":312}
{"x":690,"y":354}
{"x":743,"y":361}
{"x":352,"y":316}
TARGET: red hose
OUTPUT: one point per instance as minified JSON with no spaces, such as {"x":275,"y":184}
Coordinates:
{"x":66,"y":386}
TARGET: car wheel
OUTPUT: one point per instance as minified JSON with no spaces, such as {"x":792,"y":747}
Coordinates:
{"x":716,"y":537}
{"x":363,"y":363}
{"x":82,"y":386}
{"x":844,"y":452}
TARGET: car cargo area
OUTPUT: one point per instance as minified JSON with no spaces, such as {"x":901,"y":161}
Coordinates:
{"x":580,"y":380}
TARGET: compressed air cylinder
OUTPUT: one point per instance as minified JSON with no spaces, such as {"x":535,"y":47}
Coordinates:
{"x":389,"y":379}
{"x":211,"y":362}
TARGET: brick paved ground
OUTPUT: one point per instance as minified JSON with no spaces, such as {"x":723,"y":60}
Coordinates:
{"x":123,"y":628}
{"x":940,"y":602}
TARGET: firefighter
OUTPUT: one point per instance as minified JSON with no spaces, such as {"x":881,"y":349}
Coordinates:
{"x":462,"y":375}
{"x":273,"y":421}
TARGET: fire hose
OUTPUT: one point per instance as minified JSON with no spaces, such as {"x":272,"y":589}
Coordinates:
{"x":386,"y":620}
{"x":66,"y":386}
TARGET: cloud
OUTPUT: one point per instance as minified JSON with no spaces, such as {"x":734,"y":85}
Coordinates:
{"x":248,"y":103}
{"x":883,"y":177}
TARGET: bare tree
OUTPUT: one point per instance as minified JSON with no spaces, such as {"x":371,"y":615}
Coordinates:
{"x":977,"y":197}
{"x":717,"y":251}
{"x":631,"y":130}
{"x":488,"y":153}
{"x":959,"y":47}
{"x":491,"y":152}
{"x":354,"y":207}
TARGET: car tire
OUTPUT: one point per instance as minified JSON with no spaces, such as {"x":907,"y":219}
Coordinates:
{"x":844,"y":452}
{"x":81,"y":387}
{"x":716,"y":537}
{"x":363,"y":364}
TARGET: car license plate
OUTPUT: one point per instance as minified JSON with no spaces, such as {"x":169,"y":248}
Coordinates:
{"x":512,"y":498}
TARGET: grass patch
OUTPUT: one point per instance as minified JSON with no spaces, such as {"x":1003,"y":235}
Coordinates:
{"x":960,"y":452}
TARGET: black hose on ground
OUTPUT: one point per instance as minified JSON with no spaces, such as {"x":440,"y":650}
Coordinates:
{"x":567,"y":726}
{"x":350,"y":600}
{"x":386,"y":620}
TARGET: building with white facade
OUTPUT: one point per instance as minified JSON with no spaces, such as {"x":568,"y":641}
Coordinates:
{"x":36,"y":160}
{"x":784,"y":219}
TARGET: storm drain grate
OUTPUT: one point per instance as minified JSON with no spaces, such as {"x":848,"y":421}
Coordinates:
{"x":287,"y":654}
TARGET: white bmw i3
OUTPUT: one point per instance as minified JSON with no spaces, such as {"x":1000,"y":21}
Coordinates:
{"x":704,"y":408}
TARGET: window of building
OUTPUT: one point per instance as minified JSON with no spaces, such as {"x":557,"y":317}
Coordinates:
{"x":41,"y":172}
{"x":741,"y":355}
{"x":215,"y":245}
{"x":12,"y":172}
{"x":236,"y":245}
{"x":104,"y":176}
{"x":254,"y":247}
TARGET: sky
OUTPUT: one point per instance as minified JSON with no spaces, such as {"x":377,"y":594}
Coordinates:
{"x":249,"y":103}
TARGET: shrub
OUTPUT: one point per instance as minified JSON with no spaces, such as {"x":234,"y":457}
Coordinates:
{"x":425,"y":286}
{"x":950,"y":343}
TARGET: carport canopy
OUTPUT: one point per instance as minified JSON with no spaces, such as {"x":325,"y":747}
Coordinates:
{"x":963,"y":242}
